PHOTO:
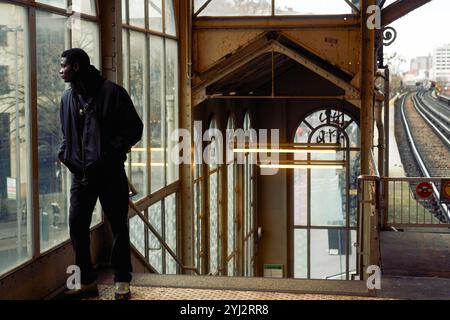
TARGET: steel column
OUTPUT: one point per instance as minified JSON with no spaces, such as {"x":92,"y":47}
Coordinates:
{"x":367,"y":86}
{"x":111,"y":39}
{"x":187,"y":215}
{"x":369,"y":224}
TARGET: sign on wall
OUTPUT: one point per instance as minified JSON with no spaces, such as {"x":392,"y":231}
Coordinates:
{"x":11,"y":188}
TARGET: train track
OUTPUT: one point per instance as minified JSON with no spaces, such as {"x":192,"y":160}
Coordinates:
{"x":437,"y":112}
{"x":444,"y":98}
{"x":429,"y":144}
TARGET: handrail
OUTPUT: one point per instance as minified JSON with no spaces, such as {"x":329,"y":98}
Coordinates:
{"x":415,"y":179}
{"x":155,"y":232}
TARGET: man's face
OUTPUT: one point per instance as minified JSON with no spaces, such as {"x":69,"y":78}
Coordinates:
{"x":68,"y":72}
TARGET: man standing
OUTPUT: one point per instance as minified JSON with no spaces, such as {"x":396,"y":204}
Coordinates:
{"x":99,"y":125}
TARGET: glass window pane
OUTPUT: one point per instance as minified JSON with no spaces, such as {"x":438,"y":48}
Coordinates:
{"x":300,"y":253}
{"x":87,"y":37}
{"x":232,"y":267}
{"x":353,"y":239}
{"x":56,"y":3}
{"x":301,"y":180}
{"x":125,"y":59}
{"x":15,"y":209}
{"x":198,"y":208}
{"x":155,"y":247}
{"x":53,"y":177}
{"x":198,"y":4}
{"x":138,"y":155}
{"x":300,"y":197}
{"x":231,"y":210}
{"x":198,"y":154}
{"x":248,"y":207}
{"x":171,"y":232}
{"x":84,"y":6}
{"x":155,"y":15}
{"x":171,"y":106}
{"x":328,"y":259}
{"x":170,"y":18}
{"x":195,"y":219}
{"x":238,"y":8}
{"x":302,"y":135}
{"x":124,"y":11}
{"x":137,"y":234}
{"x":307,"y":7}
{"x":136,"y":13}
{"x":230,"y":207}
{"x":328,"y":197}
{"x":157,"y":113}
{"x":213,"y":222}
{"x":354,"y":135}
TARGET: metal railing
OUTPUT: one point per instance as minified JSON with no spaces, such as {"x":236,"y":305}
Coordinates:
{"x":138,"y":212}
{"x":404,"y":208}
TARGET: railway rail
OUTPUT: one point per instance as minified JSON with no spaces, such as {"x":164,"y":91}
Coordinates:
{"x":427,"y":130}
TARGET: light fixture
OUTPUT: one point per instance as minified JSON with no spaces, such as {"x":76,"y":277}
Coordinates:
{"x":309,"y":164}
{"x":153,"y":164}
{"x":291,"y":148}
{"x":144,"y":149}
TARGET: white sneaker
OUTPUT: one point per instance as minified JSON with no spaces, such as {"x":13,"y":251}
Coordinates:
{"x":122,"y":291}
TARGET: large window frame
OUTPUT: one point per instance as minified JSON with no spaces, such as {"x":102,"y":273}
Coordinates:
{"x":149,"y":166}
{"x":46,"y":232}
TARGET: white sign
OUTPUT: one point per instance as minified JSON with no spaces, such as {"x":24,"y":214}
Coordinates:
{"x":11,"y":188}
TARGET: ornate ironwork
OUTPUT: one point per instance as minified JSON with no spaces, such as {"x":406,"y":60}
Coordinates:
{"x":389,"y":36}
{"x":384,"y":38}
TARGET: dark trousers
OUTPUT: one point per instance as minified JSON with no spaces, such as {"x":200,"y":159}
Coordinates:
{"x":109,"y":184}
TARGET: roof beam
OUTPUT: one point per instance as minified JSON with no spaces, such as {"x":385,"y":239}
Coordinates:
{"x":344,"y":21}
{"x":351,"y":92}
{"x":399,"y":9}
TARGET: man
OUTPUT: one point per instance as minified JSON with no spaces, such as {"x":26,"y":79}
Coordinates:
{"x":99,"y":125}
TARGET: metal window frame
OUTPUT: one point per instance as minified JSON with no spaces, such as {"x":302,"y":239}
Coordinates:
{"x":31,"y":8}
{"x":308,"y":227}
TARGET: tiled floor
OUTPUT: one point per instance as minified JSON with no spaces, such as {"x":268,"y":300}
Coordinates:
{"x":159,"y":293}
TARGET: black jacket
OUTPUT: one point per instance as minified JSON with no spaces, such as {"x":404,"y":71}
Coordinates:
{"x":109,"y":128}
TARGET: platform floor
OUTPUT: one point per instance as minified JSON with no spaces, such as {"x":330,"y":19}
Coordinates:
{"x":161,"y":293}
{"x":416,"y":266}
{"x":415,"y":254}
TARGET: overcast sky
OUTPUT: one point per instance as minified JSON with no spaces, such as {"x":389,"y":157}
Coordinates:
{"x":422,"y":30}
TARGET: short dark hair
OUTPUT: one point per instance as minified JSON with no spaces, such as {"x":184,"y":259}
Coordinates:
{"x":77,"y":55}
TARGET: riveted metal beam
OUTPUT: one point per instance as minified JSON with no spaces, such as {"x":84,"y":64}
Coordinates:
{"x":399,"y":9}
{"x":277,"y":23}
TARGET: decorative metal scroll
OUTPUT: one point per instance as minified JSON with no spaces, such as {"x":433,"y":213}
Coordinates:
{"x":333,"y":124}
{"x":384,"y":38}
{"x":389,"y":36}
